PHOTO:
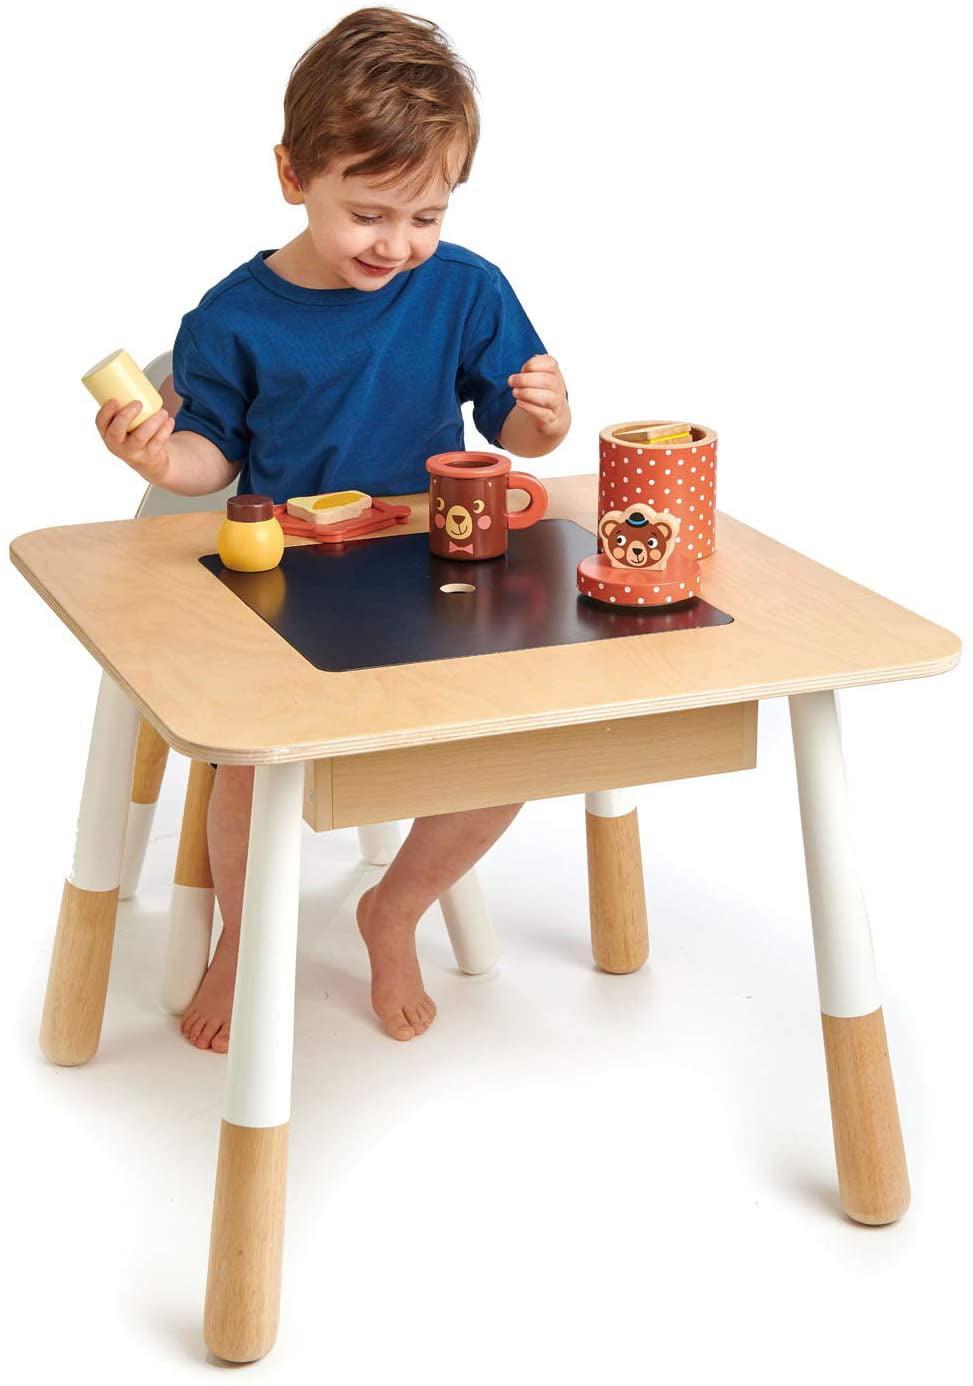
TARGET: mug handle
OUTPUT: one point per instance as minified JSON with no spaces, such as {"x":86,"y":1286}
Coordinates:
{"x":523,"y":481}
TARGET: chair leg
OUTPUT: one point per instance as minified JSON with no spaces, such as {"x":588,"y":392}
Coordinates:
{"x":469,"y":925}
{"x":78,"y":979}
{"x":191,"y":907}
{"x":616,"y":890}
{"x":872,"y":1176}
{"x":246,"y":1241}
{"x":151,"y":755}
{"x":379,"y":842}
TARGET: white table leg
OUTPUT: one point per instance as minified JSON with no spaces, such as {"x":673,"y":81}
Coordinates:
{"x":191,"y":903}
{"x":468,"y":923}
{"x":616,"y":888}
{"x":872,"y":1176}
{"x":78,"y":979}
{"x":379,"y":842}
{"x":151,"y":755}
{"x":470,"y":929}
{"x":246,"y":1241}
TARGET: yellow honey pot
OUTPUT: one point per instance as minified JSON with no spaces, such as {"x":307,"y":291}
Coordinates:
{"x":250,"y":538}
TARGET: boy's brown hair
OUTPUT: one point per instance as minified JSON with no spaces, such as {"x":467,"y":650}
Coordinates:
{"x":385,"y":85}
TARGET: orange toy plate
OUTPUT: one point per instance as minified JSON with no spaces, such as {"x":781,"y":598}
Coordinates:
{"x":380,"y":516}
{"x":601,"y":580}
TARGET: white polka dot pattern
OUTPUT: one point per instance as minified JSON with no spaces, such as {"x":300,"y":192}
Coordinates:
{"x":691,"y":467}
{"x":601,"y":580}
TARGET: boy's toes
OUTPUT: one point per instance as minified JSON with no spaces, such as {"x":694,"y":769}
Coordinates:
{"x":416,"y":1019}
{"x":427,"y":1009}
{"x":192,"y":1029}
{"x":399,"y":1026}
{"x":204,"y":1035}
{"x":220,"y":1043}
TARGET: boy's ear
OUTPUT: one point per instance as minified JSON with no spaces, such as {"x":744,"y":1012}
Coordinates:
{"x":289,"y":185}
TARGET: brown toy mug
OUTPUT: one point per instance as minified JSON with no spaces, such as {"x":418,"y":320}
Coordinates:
{"x":468,"y":516}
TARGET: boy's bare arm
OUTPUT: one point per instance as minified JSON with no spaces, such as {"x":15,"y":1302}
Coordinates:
{"x":541,"y":417}
{"x":522,"y":436}
{"x":185,"y":463}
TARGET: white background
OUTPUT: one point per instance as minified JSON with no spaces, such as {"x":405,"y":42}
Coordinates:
{"x":753,"y":215}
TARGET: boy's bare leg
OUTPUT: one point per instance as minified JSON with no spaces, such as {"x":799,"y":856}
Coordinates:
{"x":437,"y":852}
{"x":206,"y":1022}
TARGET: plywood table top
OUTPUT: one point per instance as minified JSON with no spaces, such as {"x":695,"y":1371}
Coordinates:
{"x":219,"y":684}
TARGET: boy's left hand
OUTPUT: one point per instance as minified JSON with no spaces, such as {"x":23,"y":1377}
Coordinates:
{"x":540,"y":391}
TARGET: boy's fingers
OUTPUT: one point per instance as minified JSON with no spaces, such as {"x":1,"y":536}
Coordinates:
{"x":105,"y":415}
{"x":158,"y":442}
{"x":540,"y":411}
{"x":544,"y":416}
{"x":545,"y":397}
{"x":119,"y":424}
{"x":149,"y":429}
{"x":534,"y":378}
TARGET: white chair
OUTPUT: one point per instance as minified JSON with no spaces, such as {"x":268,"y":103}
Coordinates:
{"x":469,"y":926}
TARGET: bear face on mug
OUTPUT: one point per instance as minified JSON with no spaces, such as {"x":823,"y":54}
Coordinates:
{"x":639,"y":537}
{"x":466,"y":512}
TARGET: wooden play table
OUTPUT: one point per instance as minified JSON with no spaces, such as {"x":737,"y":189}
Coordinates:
{"x":181,"y":650}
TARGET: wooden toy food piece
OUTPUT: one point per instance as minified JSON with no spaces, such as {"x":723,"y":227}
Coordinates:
{"x":118,"y":377}
{"x":250,"y":539}
{"x":331,"y":508}
{"x":664,"y":433}
{"x":652,"y":432}
{"x":380,"y":515}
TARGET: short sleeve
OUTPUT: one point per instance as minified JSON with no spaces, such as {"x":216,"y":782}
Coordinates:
{"x":498,"y":340}
{"x":213,"y":403}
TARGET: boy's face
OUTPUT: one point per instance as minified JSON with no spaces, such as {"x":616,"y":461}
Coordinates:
{"x":353,"y":224}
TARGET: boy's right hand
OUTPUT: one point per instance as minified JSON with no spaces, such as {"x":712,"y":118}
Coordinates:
{"x":144,"y":449}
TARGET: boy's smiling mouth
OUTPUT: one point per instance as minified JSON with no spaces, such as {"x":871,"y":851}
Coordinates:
{"x":376,"y":269}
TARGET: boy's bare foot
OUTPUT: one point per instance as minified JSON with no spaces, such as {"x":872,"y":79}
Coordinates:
{"x":206,"y":1021}
{"x":398,"y":997}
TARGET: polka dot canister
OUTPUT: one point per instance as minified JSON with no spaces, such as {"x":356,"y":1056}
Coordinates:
{"x":675,"y":476}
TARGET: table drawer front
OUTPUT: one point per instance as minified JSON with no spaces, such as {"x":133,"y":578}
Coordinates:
{"x":415,"y":781}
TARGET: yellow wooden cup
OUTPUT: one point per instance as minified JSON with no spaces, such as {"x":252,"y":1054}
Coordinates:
{"x":118,"y":377}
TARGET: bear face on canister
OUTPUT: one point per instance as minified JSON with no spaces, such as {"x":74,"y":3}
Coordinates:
{"x":638,"y":537}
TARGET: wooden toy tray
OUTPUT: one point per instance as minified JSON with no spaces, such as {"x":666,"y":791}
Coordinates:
{"x":387,"y":601}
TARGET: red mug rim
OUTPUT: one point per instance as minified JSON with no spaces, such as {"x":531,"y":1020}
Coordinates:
{"x":468,"y":466}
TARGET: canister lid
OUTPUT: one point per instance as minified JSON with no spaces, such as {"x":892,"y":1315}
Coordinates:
{"x":249,"y":509}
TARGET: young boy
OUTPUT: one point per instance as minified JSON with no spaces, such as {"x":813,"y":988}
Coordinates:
{"x":341,"y":361}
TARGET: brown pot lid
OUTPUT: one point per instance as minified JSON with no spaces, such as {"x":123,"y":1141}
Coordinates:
{"x":249,"y":509}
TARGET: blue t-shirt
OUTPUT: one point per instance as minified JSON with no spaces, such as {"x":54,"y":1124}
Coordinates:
{"x":328,"y":389}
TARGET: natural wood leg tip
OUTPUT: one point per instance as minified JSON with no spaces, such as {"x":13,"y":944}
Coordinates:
{"x":621,"y":967}
{"x":246,"y":1243}
{"x":60,"y":1050}
{"x":872,"y":1175}
{"x":616,"y":893}
{"x":77,"y":983}
{"x":888,"y":1215}
{"x":228,"y":1351}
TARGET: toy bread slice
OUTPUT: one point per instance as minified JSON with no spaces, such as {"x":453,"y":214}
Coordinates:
{"x":662,"y":433}
{"x":330,"y":508}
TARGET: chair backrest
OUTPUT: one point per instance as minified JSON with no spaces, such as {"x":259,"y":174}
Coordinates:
{"x":156,"y":501}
